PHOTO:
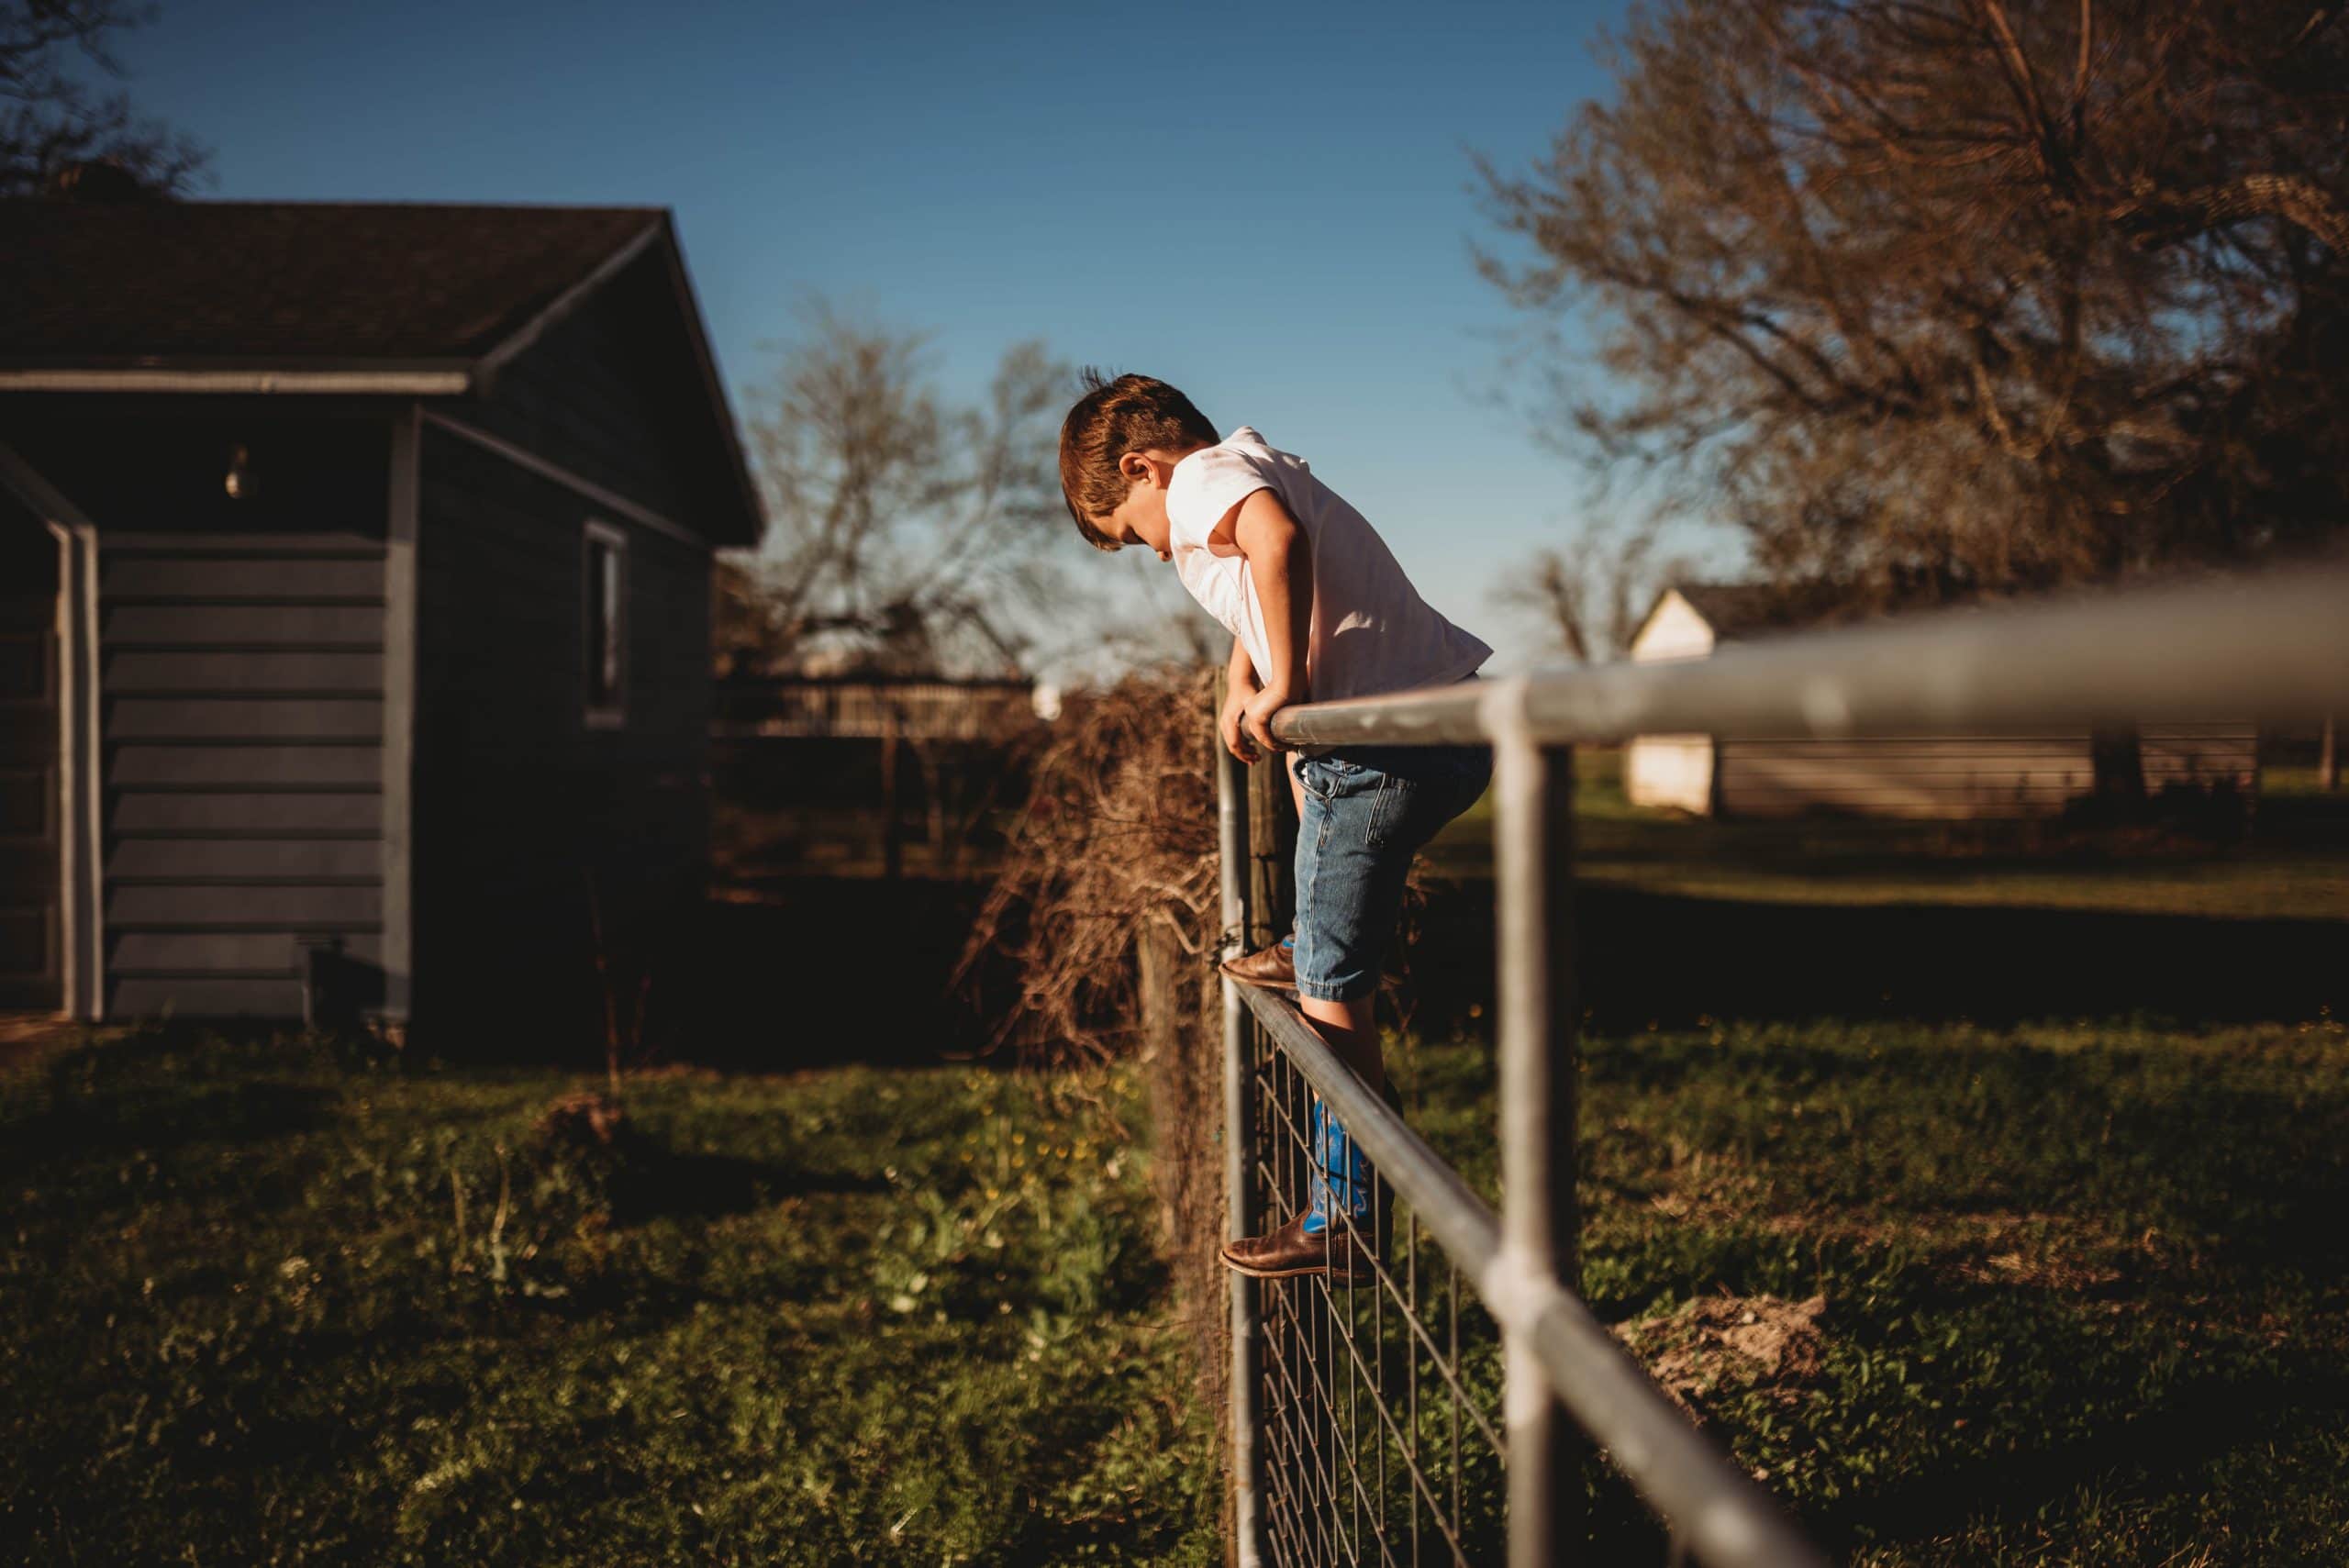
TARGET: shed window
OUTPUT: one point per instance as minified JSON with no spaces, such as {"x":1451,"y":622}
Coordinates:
{"x":605,"y":623}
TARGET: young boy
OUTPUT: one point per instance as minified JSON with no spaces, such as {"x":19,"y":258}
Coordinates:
{"x":1318,"y":610}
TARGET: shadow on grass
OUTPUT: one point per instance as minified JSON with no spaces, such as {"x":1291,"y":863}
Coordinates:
{"x":2165,"y":1450}
{"x":2170,"y":1451}
{"x":651,"y":1182}
{"x":790,"y":973}
{"x":160,"y":1117}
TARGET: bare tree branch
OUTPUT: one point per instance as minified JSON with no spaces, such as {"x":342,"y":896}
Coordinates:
{"x":50,"y":118}
{"x":2319,"y":19}
{"x":903,"y":532}
{"x":2165,"y":218}
{"x":1955,"y":295}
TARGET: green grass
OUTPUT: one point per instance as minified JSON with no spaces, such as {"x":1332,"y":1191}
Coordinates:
{"x":2295,"y":862}
{"x":843,"y":1316}
{"x":2082,"y":1281}
{"x":2082,"y":1290}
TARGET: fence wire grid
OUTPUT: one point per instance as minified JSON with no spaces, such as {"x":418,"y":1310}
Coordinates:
{"x":1381,"y":1398}
{"x":1462,"y":1405}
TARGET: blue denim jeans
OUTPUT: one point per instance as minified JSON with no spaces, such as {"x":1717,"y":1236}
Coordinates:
{"x":1367,"y":809}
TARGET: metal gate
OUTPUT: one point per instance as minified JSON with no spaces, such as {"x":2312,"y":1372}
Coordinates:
{"x":1373,"y":1423}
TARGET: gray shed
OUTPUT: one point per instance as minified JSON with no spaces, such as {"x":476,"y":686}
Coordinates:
{"x":354,"y":597}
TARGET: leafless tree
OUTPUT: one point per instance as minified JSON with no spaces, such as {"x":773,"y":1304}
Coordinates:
{"x":1590,"y":594}
{"x":746,"y":634}
{"x":51,"y":120}
{"x":907,"y":532}
{"x":1934,"y":297}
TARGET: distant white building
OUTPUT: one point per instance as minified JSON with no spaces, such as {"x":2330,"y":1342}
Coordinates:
{"x":2016,"y":774}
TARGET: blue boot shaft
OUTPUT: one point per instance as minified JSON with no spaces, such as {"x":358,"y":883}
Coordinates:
{"x":1338,"y":1181}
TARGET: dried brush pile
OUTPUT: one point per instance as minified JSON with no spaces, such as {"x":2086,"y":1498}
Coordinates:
{"x":1109,"y":875}
{"x":1118,"y":835}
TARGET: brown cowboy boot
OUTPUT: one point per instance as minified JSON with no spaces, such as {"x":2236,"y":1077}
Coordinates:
{"x":1288,"y":1252}
{"x":1270,"y":968}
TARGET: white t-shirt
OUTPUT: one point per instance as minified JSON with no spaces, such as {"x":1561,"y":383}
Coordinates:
{"x":1372,"y":632}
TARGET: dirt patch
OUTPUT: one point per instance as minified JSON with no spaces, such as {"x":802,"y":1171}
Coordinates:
{"x":2041,"y":1251}
{"x":2055,"y":1270}
{"x":1720,"y":1344}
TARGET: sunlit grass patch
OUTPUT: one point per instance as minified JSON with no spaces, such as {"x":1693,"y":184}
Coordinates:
{"x":270,"y":1302}
{"x":2068,"y":1291}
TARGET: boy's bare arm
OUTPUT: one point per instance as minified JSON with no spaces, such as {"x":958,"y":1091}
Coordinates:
{"x":1240,"y":674}
{"x":1239,"y":684}
{"x":1280,"y":565}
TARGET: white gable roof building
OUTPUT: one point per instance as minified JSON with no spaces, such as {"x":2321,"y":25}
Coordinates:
{"x":1925,"y":775}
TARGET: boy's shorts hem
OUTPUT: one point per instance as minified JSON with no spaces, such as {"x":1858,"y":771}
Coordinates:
{"x":1365,"y":810}
{"x":1335,"y":992}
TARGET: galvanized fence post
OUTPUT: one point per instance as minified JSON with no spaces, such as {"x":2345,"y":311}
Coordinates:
{"x":1271,"y":818}
{"x":1293,"y":1351}
{"x":1238,"y":1149}
{"x":1533,"y":867}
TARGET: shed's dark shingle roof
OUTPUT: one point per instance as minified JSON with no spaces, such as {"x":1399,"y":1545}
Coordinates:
{"x":1747,"y":609}
{"x":286,"y":282}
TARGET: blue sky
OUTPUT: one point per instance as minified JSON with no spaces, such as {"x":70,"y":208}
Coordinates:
{"x":1269,"y":205}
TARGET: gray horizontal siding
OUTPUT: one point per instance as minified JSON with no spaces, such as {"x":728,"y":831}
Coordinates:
{"x":225,"y":717}
{"x":243,"y":862}
{"x":206,"y":996}
{"x":243,"y":812}
{"x":244,"y":907}
{"x":315,"y":627}
{"x":272,"y":955}
{"x":292,"y":765}
{"x":289,"y":673}
{"x":210,"y":544}
{"x":244,"y":724}
{"x":289,"y":576}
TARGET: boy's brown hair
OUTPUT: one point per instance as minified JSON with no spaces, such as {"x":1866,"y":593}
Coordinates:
{"x":1131,"y":414}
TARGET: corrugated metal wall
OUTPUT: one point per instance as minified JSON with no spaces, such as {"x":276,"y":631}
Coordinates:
{"x":1962,"y":776}
{"x":2200,"y":754}
{"x":242,"y":675}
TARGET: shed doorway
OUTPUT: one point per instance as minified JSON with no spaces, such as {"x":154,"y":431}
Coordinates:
{"x":32,"y":826}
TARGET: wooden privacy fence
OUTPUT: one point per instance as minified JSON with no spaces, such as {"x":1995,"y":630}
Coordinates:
{"x":1365,"y":1424}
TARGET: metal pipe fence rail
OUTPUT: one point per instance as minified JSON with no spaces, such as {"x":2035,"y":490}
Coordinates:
{"x":1371,"y":1422}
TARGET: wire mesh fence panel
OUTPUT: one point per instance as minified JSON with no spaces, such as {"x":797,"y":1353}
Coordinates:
{"x":1375,"y":1385}
{"x":1381,"y":1388}
{"x":1372,"y":1393}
